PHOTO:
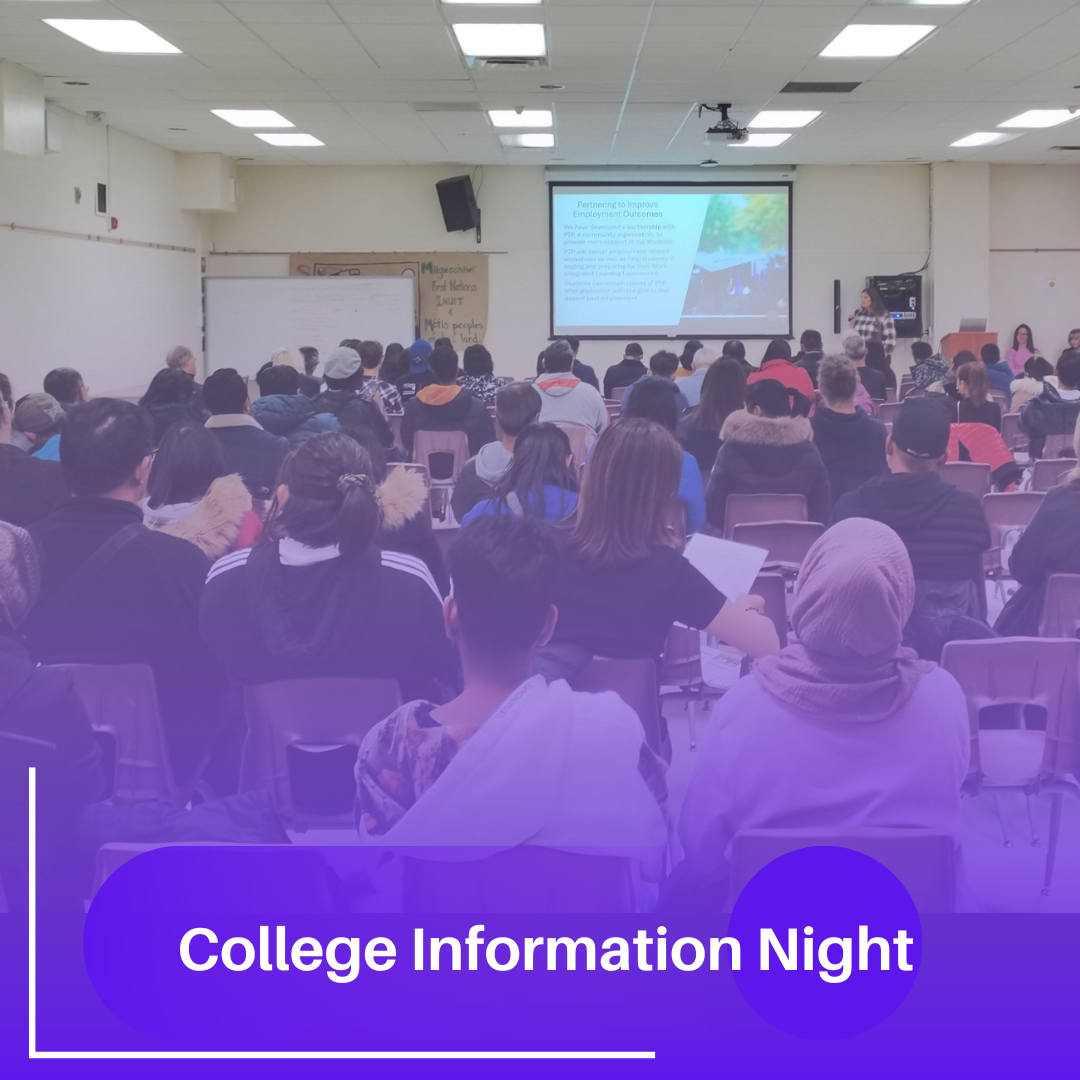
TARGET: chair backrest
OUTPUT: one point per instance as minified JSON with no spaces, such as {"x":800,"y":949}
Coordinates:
{"x":395,"y":427}
{"x":302,"y":740}
{"x":787,"y":542}
{"x":522,"y":879}
{"x":890,"y":395}
{"x":1061,"y":607}
{"x":923,"y":859}
{"x":613,"y":409}
{"x":1001,"y":398}
{"x":1048,"y":472}
{"x":634,"y":681}
{"x":1036,"y":671}
{"x":907,"y":385}
{"x":772,"y":589}
{"x":1058,"y":444}
{"x":122,"y":702}
{"x":682,"y":658}
{"x":970,"y":476}
{"x":887,"y":410}
{"x":579,"y":442}
{"x":1010,"y":509}
{"x":454,"y":444}
{"x":1012,"y":434}
{"x":619,"y":393}
{"x":739,"y":509}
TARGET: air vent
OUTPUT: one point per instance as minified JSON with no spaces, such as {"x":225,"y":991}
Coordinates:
{"x":820,"y":87}
{"x":510,"y":62}
{"x":447,"y":106}
{"x":1065,"y":147}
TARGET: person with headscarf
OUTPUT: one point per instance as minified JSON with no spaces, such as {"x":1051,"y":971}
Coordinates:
{"x":42,"y":724}
{"x":844,"y":728}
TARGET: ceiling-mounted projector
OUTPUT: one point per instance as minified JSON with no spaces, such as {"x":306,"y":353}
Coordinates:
{"x":725,"y":129}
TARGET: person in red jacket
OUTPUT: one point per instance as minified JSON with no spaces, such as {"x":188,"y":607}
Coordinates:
{"x":776,"y":364}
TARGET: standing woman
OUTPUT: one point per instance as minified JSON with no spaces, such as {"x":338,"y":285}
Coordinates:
{"x":723,"y":392}
{"x":686,"y":360}
{"x":1023,"y":348}
{"x":872,"y":322}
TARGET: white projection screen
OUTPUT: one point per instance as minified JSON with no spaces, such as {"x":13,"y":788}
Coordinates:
{"x":670,"y":260}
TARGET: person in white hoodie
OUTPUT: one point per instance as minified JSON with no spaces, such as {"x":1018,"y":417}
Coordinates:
{"x":566,"y":399}
{"x":1030,"y":384}
{"x":516,"y":407}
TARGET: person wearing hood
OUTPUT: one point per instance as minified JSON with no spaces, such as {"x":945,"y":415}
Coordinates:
{"x":662,"y":368}
{"x":479,"y":374}
{"x":811,"y":353}
{"x":320,"y":600}
{"x":343,"y":373}
{"x":29,"y":487}
{"x":1056,"y":410}
{"x":767,"y":451}
{"x":517,"y":405}
{"x":173,"y":397}
{"x":419,"y":373}
{"x":191,"y":494}
{"x":851,"y":444}
{"x":846,"y":728}
{"x":565,"y":398}
{"x":444,"y":406}
{"x":39,"y":417}
{"x":283,"y":410}
{"x":776,"y":364}
{"x":626,"y":372}
{"x":42,"y":724}
{"x":943,"y":528}
{"x":930,"y":368}
{"x":998,"y":373}
{"x":1029,"y":385}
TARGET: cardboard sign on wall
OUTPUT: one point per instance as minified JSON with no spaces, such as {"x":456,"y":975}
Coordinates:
{"x":451,"y":287}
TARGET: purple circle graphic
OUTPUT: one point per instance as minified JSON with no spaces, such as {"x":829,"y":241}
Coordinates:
{"x":830,"y":940}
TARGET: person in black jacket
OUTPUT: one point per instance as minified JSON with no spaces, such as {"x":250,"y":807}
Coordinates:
{"x":44,"y":725}
{"x":810,"y":354}
{"x":29,"y":487}
{"x":344,"y":377}
{"x":582,"y":371}
{"x":767,"y":451}
{"x":944,"y":529}
{"x":627,"y":371}
{"x":871,"y":378}
{"x":851,"y":443}
{"x":445,"y":406}
{"x":1056,"y":411}
{"x":172,"y":398}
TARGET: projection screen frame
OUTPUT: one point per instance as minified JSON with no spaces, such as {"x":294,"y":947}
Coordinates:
{"x":789,"y":335}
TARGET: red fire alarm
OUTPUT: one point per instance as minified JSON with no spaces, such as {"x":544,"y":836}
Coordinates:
{"x":114,"y":223}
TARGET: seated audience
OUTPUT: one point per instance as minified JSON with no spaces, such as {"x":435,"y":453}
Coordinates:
{"x":249,"y":450}
{"x":374,"y":387}
{"x":444,"y":406}
{"x":737,"y":351}
{"x":877,"y":359}
{"x":1029,"y":384}
{"x":690,"y":386}
{"x":565,"y":398}
{"x":39,"y":418}
{"x":310,"y":383}
{"x":623,"y":580}
{"x":115,"y":592}
{"x":67,"y":386}
{"x":776,"y":365}
{"x":662,"y":368}
{"x":652,"y":401}
{"x":395,"y":363}
{"x":1023,"y":349}
{"x":998,"y":372}
{"x":29,"y":487}
{"x":975,"y":405}
{"x":930,"y":368}
{"x":418,"y":373}
{"x":533,"y":762}
{"x":627,"y":371}
{"x":723,"y":391}
{"x":845,"y":728}
{"x":944,"y":529}
{"x":1047,"y":546}
{"x":964,"y":356}
{"x":343,"y":373}
{"x":851,"y":444}
{"x":517,"y":405}
{"x":172,"y":398}
{"x":321,"y":600}
{"x":191,"y":494}
{"x":686,"y":359}
{"x":479,"y":374}
{"x":767,"y":451}
{"x":1056,"y":410}
{"x":541,"y":481}
{"x":874,"y":380}
{"x":811,"y":353}
{"x":42,"y":724}
{"x":182,"y":359}
{"x":282,"y":409}
{"x":582,"y":371}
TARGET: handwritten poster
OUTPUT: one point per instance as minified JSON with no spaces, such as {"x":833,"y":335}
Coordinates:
{"x":451,"y":287}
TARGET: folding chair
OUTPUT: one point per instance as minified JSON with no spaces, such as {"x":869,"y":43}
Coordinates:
{"x":923,"y":859}
{"x":1022,"y":671}
{"x":579,"y":442}
{"x":444,"y":453}
{"x":395,"y":427}
{"x":1012,"y":433}
{"x":619,"y":393}
{"x":887,"y":410}
{"x":787,"y":542}
{"x":742,"y":509}
{"x":970,"y":476}
{"x":634,"y":681}
{"x":1058,"y":445}
{"x":1061,"y":607}
{"x":890,"y":395}
{"x":1049,"y":472}
{"x":907,"y":386}
{"x":302,"y":740}
{"x":1005,"y":511}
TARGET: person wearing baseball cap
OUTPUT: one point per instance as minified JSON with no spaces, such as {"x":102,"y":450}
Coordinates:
{"x":39,"y":417}
{"x":419,"y":374}
{"x":944,"y":529}
{"x":343,"y":371}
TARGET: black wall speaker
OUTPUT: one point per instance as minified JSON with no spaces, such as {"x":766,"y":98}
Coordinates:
{"x":458,"y":201}
{"x":903,"y":298}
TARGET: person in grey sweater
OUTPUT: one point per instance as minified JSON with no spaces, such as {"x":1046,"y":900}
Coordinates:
{"x":566,"y":399}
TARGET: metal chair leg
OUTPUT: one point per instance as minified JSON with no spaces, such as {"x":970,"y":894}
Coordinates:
{"x":1031,"y":822}
{"x":1051,"y":850}
{"x":1001,"y":822}
{"x":691,"y":717}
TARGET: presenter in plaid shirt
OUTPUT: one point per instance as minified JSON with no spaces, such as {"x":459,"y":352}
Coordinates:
{"x":872,"y":322}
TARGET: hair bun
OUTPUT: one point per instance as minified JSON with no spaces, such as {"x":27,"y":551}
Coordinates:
{"x":348,"y":481}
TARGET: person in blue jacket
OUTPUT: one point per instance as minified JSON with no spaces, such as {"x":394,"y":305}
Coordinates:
{"x":283,"y":410}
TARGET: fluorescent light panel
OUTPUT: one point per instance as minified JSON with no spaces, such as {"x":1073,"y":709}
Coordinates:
{"x":874,"y":39}
{"x":253,"y":118}
{"x":776,"y":138}
{"x":983,"y":138}
{"x":527,"y":118}
{"x":494,"y":3}
{"x":1041,"y":118}
{"x":537,"y":140}
{"x":288,"y":138}
{"x":784,"y":118}
{"x":501,"y":39}
{"x":113,"y":35}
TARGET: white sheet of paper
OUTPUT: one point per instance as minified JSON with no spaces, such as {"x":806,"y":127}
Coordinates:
{"x":731,"y":567}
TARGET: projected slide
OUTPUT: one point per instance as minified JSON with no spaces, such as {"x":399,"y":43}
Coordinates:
{"x":652,"y":260}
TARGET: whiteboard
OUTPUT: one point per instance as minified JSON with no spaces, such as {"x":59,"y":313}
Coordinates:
{"x":246,"y":320}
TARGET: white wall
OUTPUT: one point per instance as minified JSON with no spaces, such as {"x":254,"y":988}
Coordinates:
{"x":111,"y":311}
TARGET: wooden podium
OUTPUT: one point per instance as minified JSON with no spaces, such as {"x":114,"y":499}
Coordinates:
{"x":953,"y":343}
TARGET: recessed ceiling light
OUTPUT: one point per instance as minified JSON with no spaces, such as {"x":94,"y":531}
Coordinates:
{"x":501,"y":39}
{"x":983,"y":138}
{"x":253,"y":118}
{"x":784,"y":118}
{"x":494,"y":3}
{"x":775,"y":138}
{"x":526,"y":118}
{"x":1041,"y":118}
{"x":923,"y":3}
{"x":288,"y":138}
{"x":113,"y":35}
{"x":874,"y":39}
{"x":535,"y":140}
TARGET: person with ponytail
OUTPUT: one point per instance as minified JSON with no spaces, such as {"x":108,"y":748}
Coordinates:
{"x":320,"y":599}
